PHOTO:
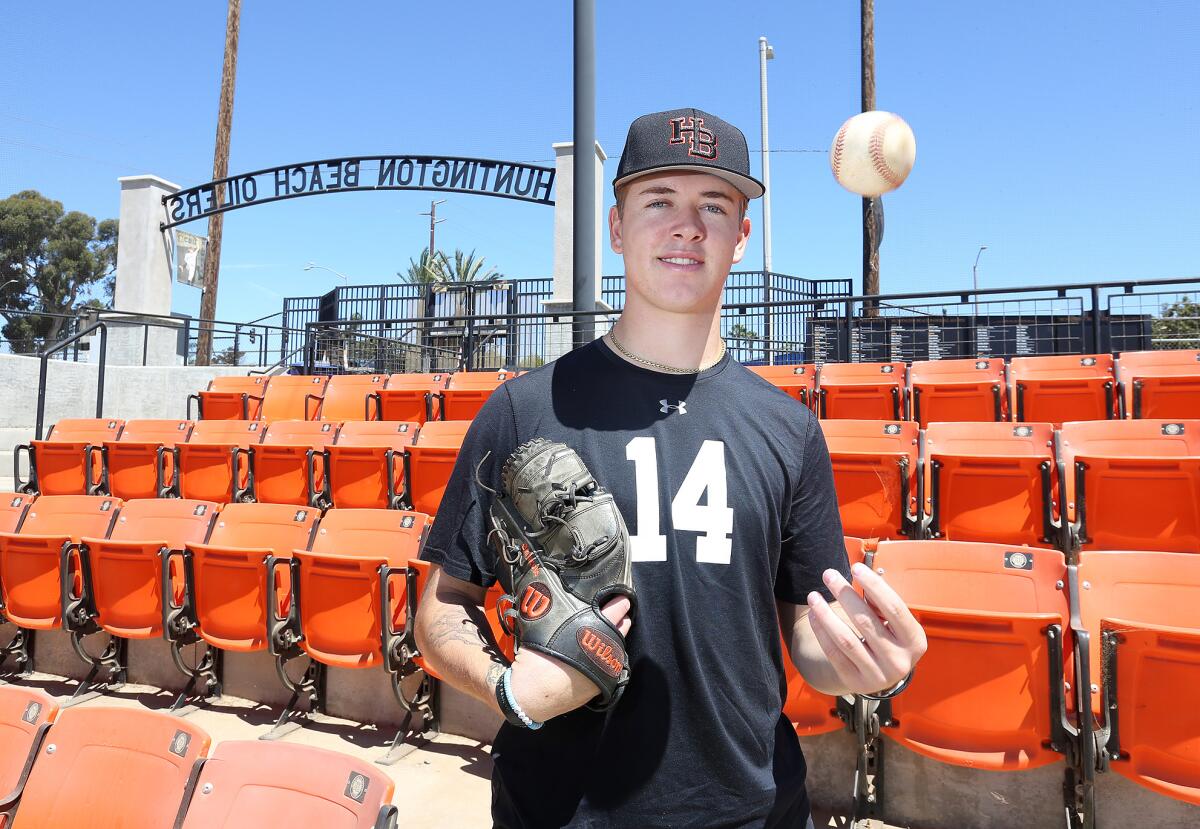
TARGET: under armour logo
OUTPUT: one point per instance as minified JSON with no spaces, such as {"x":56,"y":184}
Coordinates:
{"x":701,"y":142}
{"x":666,"y":407}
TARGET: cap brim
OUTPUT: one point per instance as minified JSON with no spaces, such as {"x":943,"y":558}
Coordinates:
{"x":749,"y":187}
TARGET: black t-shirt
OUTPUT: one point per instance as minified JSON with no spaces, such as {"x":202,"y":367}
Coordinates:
{"x":726,"y":487}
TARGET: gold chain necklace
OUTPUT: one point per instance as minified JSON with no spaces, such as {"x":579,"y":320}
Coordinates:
{"x":612,"y":335}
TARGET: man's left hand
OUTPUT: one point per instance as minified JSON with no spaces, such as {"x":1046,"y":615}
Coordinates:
{"x":882,"y":642}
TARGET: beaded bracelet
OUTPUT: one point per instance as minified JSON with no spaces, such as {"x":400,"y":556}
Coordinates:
{"x":509,"y":706}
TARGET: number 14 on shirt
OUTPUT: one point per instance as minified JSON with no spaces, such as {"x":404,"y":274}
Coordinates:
{"x":713,"y":519}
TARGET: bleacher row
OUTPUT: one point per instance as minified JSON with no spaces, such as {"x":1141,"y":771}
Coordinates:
{"x":1052,"y":389}
{"x":1091,"y":485}
{"x":228,"y":575}
{"x":146,"y":770}
{"x":357,"y":464}
{"x":162,"y":545}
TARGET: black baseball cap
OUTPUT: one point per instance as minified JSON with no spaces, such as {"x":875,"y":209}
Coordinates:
{"x":687,"y":139}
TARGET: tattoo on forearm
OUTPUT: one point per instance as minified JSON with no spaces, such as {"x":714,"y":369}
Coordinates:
{"x":493,"y":675}
{"x":450,"y":627}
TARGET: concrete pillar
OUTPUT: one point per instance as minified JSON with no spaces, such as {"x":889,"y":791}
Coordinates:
{"x":558,"y":339}
{"x":143,"y":258}
{"x":144,"y":277}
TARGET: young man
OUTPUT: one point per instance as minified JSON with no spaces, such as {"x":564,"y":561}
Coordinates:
{"x":726,"y":487}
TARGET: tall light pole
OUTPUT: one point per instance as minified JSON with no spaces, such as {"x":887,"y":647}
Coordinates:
{"x":975,"y":276}
{"x":766,"y":53}
{"x":583,"y":176}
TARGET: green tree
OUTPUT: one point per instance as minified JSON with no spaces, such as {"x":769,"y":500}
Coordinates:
{"x":426,"y":268}
{"x":467,"y":267}
{"x":228,"y":357}
{"x":438,"y":267}
{"x":740,"y":332}
{"x":1179,"y":325}
{"x":742,"y":342}
{"x":51,"y":261}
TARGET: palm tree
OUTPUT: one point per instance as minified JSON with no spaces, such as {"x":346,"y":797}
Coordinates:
{"x":426,"y":269}
{"x":467,"y":267}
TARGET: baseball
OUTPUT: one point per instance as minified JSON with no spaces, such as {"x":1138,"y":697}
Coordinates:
{"x":873,"y":153}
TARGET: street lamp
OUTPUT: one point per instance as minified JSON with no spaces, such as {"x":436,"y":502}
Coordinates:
{"x":766,"y":53}
{"x":975,"y":277}
{"x":313,"y":265}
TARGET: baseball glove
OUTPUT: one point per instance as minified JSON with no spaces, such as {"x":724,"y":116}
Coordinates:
{"x":563,"y":551}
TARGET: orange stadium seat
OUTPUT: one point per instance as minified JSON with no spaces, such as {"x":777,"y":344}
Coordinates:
{"x":992,"y":482}
{"x":419,"y":579}
{"x":349,"y":598}
{"x":1133,"y":484}
{"x":254,"y":784}
{"x":12,"y":510}
{"x":366,"y":464}
{"x":131,"y":466}
{"x":288,"y":466}
{"x":958,"y":390}
{"x":57,"y":464}
{"x":467,"y":391}
{"x":231,"y":397}
{"x":125,"y":585}
{"x":410,"y":397}
{"x":1138,"y":639}
{"x":809,"y":711}
{"x":213,"y":465}
{"x":25,"y":715}
{"x":799,"y":381}
{"x":102,"y":755}
{"x":862,"y":391}
{"x":36,"y":562}
{"x":226,"y":587}
{"x":1159,"y":383}
{"x":876,"y":473}
{"x":986,"y":693}
{"x":1060,"y":389}
{"x":352,"y":397}
{"x":429,"y":462}
{"x":292,"y":397}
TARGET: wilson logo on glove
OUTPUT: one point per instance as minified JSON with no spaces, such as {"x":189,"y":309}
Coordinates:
{"x":562,"y":550}
{"x":535,"y":601}
{"x":601,"y":649}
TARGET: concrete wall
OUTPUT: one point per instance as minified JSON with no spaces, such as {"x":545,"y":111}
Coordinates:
{"x":129,"y":391}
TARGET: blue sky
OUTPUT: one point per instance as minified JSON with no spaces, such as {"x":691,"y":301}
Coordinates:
{"x":1061,"y":135}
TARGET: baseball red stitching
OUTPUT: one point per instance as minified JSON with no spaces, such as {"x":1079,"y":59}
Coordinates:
{"x":875,"y":147}
{"x":839,"y":144}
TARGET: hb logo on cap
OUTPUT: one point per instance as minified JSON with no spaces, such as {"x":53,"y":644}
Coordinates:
{"x":701,"y":142}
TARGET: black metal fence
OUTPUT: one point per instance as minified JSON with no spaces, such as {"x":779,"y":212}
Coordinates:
{"x":1052,"y":319}
{"x":504,"y":323}
{"x":1104,"y":317}
{"x":430,"y":318}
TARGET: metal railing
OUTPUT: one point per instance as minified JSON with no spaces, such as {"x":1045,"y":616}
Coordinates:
{"x":995,"y":322}
{"x":44,"y":371}
{"x":31,"y":345}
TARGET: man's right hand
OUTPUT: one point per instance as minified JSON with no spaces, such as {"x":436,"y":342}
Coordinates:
{"x":545,"y":687}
